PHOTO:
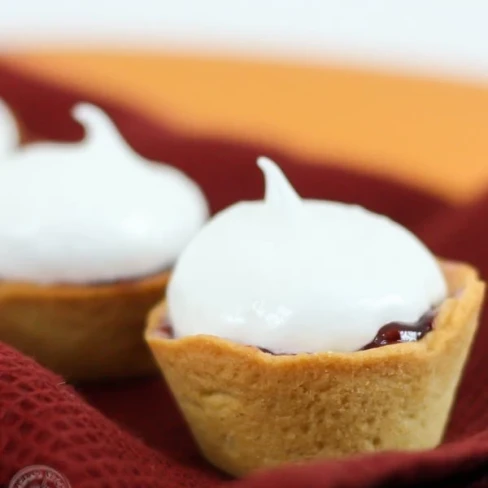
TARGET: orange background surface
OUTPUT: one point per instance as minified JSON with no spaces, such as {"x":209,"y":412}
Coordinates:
{"x":429,"y":132}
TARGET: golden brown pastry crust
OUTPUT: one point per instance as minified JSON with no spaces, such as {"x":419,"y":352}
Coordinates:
{"x":82,"y":332}
{"x":250,"y":410}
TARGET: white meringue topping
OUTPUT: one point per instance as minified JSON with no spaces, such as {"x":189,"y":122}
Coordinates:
{"x":9,"y":135}
{"x":294,"y":275}
{"x":94,"y":211}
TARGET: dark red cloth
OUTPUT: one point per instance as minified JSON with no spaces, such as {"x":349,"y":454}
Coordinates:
{"x":130,"y":434}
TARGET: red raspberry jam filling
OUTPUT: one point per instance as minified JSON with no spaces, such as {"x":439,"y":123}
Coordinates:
{"x":392,"y":333}
{"x":397,"y":332}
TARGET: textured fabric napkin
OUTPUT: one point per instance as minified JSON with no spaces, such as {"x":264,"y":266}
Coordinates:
{"x":130,"y":434}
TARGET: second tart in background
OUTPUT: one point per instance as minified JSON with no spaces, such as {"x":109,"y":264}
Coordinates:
{"x":88,"y":235}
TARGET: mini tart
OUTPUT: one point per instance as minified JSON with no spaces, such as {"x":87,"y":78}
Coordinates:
{"x":251,"y":410}
{"x":82,"y":332}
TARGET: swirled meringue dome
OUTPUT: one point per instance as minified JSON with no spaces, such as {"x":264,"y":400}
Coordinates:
{"x":9,"y":136}
{"x":94,"y":211}
{"x":291,"y":275}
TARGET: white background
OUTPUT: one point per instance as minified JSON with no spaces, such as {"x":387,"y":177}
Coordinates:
{"x":432,"y":36}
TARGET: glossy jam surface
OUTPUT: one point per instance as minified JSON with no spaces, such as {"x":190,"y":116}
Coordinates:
{"x":396,"y":333}
{"x":389,"y":334}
